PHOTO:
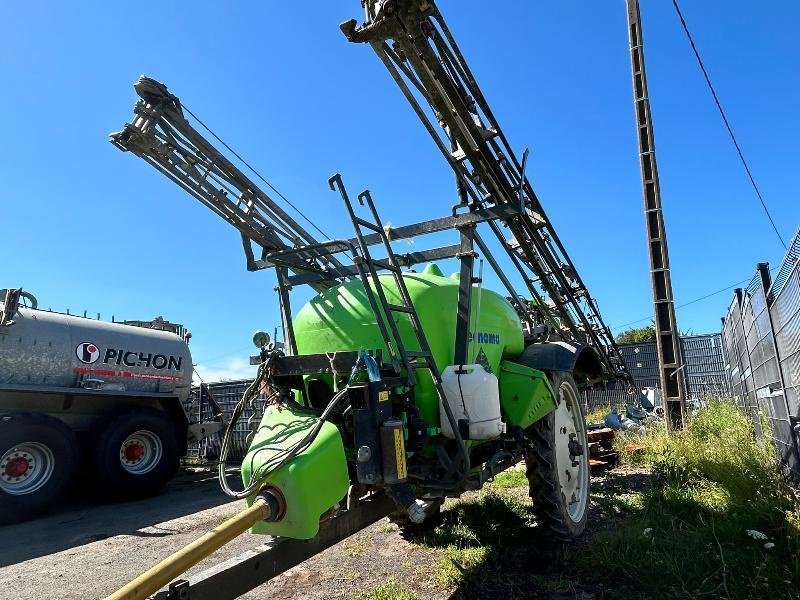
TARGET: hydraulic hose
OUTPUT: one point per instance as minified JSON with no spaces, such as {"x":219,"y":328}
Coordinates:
{"x":281,"y":458}
{"x":152,"y":580}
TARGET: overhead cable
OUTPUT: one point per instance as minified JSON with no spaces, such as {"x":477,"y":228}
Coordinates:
{"x":256,"y":173}
{"x":725,"y":120}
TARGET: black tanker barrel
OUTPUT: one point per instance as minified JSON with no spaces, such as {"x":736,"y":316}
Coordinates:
{"x":54,"y":350}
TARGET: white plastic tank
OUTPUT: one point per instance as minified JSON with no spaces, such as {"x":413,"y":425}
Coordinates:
{"x":472,"y":394}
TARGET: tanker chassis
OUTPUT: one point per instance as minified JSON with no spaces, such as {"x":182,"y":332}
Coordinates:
{"x":87,"y":400}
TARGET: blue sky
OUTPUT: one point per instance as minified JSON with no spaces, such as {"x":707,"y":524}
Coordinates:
{"x":87,"y":227}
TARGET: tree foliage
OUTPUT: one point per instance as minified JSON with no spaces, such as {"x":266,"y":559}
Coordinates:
{"x":636,"y":335}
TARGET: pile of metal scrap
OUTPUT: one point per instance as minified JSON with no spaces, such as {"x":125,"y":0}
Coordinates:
{"x":647,"y":409}
{"x":601,"y":446}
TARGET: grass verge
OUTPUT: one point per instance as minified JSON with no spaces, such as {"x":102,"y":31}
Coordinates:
{"x":704,"y":513}
{"x":391,"y":590}
{"x":718,"y":521}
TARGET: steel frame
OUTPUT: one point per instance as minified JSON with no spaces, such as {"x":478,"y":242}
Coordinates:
{"x":560,"y":308}
{"x":414,"y":43}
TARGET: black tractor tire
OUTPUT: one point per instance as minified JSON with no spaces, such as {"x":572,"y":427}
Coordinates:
{"x":149,"y":432}
{"x":549,"y":503}
{"x":32,"y":444}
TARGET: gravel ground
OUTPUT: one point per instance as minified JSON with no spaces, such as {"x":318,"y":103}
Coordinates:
{"x":88,"y":550}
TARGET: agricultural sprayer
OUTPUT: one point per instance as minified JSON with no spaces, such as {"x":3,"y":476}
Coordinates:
{"x":397,"y":387}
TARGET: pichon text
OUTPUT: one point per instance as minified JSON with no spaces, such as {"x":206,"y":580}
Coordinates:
{"x":140,"y":359}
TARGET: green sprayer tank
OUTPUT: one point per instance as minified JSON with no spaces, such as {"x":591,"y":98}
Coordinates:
{"x":340,"y":320}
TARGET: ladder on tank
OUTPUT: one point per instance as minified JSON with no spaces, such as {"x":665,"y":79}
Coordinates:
{"x":368,"y":268}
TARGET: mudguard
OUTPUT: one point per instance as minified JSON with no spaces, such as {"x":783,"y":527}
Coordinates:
{"x":562,"y":356}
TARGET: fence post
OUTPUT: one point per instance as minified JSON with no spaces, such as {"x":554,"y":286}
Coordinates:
{"x":766,"y":282}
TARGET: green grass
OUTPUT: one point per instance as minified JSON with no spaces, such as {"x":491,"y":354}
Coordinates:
{"x":391,"y":590}
{"x":457,"y":562}
{"x":486,"y":543}
{"x":512,"y":478}
{"x":671,"y":523}
{"x":597,"y":415}
{"x":386,"y":527}
{"x":711,"y":483}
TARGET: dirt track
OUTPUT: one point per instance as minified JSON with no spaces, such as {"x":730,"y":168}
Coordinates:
{"x":89,"y":550}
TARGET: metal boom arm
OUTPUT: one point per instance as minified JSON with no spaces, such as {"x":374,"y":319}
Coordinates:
{"x":161,"y":135}
{"x":414,"y":43}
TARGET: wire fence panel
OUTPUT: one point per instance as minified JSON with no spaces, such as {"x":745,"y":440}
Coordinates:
{"x":761,"y":339}
{"x":785,"y":318}
{"x":227,"y":395}
{"x":704,"y":370}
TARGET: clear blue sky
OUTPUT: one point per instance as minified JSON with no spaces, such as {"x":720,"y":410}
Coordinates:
{"x":87,"y":227}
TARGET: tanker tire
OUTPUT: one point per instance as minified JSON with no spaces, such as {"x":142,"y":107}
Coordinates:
{"x":111,"y":478}
{"x":46,"y":431}
{"x":549,"y":504}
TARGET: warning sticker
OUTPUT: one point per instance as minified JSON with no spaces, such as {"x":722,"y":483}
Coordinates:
{"x":400,"y":454}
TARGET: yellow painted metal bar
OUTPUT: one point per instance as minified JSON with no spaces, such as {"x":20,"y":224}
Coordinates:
{"x":170,"y":568}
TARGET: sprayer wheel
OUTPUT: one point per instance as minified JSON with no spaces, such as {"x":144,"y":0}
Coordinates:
{"x":134,"y":453}
{"x":557,"y":460}
{"x":38,"y":461}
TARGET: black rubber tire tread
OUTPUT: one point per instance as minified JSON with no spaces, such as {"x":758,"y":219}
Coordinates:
{"x":19,"y":427}
{"x":544,"y":488}
{"x":110,"y":478}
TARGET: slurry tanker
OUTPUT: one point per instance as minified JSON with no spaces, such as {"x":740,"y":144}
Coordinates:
{"x":398,"y":385}
{"x":84,"y":398}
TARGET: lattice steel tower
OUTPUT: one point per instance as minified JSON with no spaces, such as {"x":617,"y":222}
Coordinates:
{"x":670,"y":362}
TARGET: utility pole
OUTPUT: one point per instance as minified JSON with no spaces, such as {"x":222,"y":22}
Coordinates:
{"x":670,"y":361}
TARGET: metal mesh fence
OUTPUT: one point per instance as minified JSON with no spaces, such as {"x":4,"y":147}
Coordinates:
{"x":704,"y":370}
{"x":761,"y":339}
{"x":227,"y":395}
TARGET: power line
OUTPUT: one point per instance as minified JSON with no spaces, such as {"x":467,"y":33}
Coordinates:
{"x":725,"y":120}
{"x":725,"y":289}
{"x":685,"y":304}
{"x":256,"y":173}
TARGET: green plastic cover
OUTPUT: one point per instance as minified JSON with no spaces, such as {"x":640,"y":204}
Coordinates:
{"x":311,"y":483}
{"x":525,"y":394}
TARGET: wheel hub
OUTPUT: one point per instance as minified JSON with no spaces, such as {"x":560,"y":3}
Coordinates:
{"x":133,"y":452}
{"x":571,"y":462}
{"x":575,"y":449}
{"x":25,"y":468}
{"x":141,"y":452}
{"x":18,"y":466}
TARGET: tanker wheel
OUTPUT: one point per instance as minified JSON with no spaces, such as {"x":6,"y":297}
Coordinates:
{"x":557,"y":460}
{"x":38,"y":461}
{"x":135,"y":453}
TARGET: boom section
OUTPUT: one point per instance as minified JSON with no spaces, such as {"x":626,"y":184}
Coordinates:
{"x":160,"y":134}
{"x":413,"y":41}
